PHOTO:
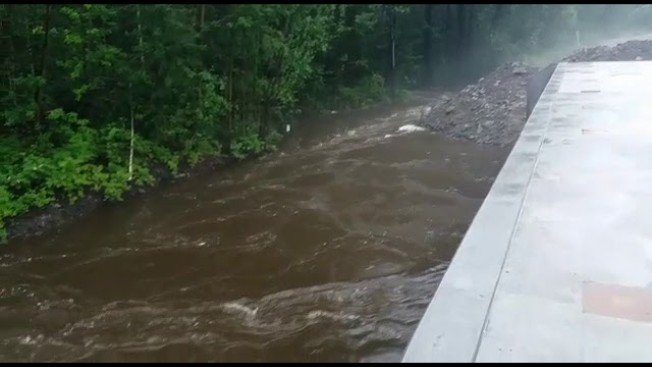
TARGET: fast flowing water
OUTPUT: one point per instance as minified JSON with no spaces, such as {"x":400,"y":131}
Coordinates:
{"x":327,"y":250}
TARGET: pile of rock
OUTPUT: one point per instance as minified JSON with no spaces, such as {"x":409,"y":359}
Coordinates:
{"x":492,"y":111}
{"x":627,"y":51}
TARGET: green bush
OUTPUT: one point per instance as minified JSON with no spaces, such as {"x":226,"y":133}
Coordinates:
{"x":82,"y":84}
{"x":246,"y":145}
{"x":368,"y":91}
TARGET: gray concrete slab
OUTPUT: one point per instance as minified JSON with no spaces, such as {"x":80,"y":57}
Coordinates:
{"x":557,"y":264}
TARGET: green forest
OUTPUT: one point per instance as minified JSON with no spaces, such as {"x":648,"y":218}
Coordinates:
{"x":94,"y":96}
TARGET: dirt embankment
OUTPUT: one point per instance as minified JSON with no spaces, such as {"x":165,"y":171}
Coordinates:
{"x":38,"y":222}
{"x":493,"y":111}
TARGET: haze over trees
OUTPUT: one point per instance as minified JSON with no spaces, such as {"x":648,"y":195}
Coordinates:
{"x":94,"y":96}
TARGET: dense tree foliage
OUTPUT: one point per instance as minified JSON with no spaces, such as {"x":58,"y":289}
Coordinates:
{"x":94,"y":95}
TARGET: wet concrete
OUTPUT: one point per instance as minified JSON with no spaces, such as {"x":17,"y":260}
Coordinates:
{"x":556,"y":265}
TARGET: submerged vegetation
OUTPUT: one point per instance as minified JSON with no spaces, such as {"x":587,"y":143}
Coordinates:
{"x":93,"y":96}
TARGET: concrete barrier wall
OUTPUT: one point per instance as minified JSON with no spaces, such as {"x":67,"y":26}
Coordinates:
{"x":536,"y":85}
{"x":451,"y":327}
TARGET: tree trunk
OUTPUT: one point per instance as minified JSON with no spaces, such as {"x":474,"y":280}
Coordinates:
{"x":131,"y":145}
{"x":448,"y":34}
{"x":199,"y":17}
{"x":8,"y":44}
{"x":203,"y":16}
{"x":140,"y":37}
{"x":391,"y":15}
{"x":229,"y":129}
{"x":497,"y":15}
{"x":132,"y":122}
{"x":469,"y":36}
{"x":461,"y":34}
{"x":199,"y":30}
{"x":427,"y":46}
{"x":41,"y":69}
{"x":337,"y":14}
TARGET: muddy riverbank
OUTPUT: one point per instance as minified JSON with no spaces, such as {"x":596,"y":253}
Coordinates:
{"x":491,"y":111}
{"x":53,"y":218}
{"x":326,"y":250}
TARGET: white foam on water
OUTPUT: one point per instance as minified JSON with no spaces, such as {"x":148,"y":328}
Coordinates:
{"x":234,"y":306}
{"x":410,"y":128}
{"x":319,"y":314}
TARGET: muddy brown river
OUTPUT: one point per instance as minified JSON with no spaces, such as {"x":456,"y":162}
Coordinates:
{"x":329,"y":249}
